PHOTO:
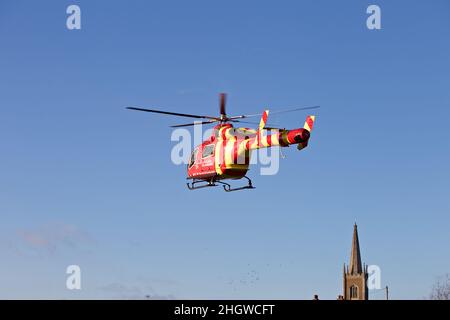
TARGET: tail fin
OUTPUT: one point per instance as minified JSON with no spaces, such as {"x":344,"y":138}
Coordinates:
{"x":263,"y":121}
{"x":309,"y":123}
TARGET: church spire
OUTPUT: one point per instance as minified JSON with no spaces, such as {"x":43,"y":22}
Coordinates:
{"x":355,"y":258}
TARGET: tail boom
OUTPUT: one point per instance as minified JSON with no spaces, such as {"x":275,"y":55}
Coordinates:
{"x":282,"y":137}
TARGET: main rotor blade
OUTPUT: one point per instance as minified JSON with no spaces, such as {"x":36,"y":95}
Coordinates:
{"x":295,"y":109}
{"x":234,"y":120}
{"x":273,"y":112}
{"x":250,"y":122}
{"x":174,"y":113}
{"x":192,"y":124}
{"x":223,"y":98}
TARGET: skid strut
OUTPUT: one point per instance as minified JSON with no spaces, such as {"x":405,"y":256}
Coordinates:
{"x":193,"y":185}
{"x":212,"y":183}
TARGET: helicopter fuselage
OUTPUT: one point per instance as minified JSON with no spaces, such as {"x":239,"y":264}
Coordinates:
{"x":226,"y":154}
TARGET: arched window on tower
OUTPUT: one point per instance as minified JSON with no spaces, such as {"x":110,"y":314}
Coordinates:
{"x":353,"y":292}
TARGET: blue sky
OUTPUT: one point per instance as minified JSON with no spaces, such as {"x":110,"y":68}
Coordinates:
{"x":84,"y":181}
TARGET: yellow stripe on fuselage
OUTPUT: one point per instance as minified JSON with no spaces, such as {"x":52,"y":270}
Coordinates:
{"x":229,"y":147}
{"x":217,"y":157}
{"x":274,"y":139}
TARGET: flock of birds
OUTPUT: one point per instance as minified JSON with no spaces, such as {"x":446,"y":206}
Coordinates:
{"x":251,"y":277}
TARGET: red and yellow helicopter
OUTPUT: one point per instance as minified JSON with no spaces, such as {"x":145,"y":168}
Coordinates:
{"x":226,"y":153}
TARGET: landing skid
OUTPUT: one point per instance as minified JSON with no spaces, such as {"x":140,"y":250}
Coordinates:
{"x":193,"y":185}
{"x":212,"y":183}
{"x":227,"y":187}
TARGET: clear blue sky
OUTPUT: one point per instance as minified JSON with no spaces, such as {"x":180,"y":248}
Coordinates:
{"x":84,"y":181}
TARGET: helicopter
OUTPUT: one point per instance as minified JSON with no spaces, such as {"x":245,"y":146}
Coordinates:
{"x":225,"y":155}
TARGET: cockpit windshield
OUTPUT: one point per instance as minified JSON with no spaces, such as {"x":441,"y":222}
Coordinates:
{"x":193,"y":157}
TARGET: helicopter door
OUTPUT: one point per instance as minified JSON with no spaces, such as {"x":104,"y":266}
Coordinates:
{"x":208,"y":159}
{"x":193,"y":158}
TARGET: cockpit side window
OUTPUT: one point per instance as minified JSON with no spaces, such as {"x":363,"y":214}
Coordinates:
{"x":193,"y":157}
{"x":208,"y":151}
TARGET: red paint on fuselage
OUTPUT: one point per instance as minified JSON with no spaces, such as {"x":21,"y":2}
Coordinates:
{"x":203,"y":159}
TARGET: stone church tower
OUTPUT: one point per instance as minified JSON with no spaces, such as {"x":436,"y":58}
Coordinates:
{"x":355,"y":274}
